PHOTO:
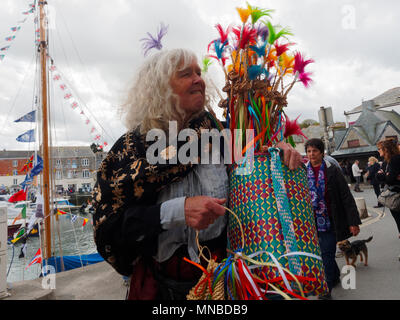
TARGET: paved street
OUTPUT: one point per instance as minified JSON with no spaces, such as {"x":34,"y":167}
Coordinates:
{"x":380,"y":280}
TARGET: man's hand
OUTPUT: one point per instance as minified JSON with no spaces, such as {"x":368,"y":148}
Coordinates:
{"x":355,"y":230}
{"x":202,"y":211}
{"x":291,"y":157}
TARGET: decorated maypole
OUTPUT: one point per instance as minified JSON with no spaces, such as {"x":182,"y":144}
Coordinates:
{"x":273,"y":244}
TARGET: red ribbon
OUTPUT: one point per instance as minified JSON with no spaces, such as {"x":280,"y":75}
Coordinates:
{"x":205,"y":280}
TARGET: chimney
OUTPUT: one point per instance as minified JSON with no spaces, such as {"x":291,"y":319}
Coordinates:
{"x":368,"y":105}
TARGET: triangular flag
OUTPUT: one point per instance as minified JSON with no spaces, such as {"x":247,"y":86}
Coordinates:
{"x":84,"y":221}
{"x":29,"y":117}
{"x":23,"y":212}
{"x":36,"y":259}
{"x":19,"y":216}
{"x":59,"y":212}
{"x":74,"y":217}
{"x":38,"y":166}
{"x":18,"y":196}
{"x":28,"y":165}
{"x":28,"y":136}
{"x":18,"y":236}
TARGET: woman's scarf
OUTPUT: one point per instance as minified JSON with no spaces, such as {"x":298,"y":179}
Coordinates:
{"x":317,"y":191}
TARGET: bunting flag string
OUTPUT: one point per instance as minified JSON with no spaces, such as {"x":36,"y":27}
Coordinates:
{"x":74,"y":217}
{"x":68,"y":96}
{"x":16,"y":29}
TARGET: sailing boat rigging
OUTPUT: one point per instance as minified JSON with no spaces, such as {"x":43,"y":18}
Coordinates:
{"x":49,"y":211}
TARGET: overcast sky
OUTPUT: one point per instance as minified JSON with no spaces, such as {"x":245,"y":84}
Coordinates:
{"x":96,"y":47}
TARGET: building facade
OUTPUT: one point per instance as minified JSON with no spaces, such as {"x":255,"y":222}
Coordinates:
{"x":73,"y":168}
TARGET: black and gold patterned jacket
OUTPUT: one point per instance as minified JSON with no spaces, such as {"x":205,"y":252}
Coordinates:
{"x":126,"y":222}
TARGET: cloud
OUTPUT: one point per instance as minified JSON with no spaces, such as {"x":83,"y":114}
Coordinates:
{"x":96,"y":44}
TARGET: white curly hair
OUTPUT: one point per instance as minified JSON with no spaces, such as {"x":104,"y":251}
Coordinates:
{"x":150,"y":102}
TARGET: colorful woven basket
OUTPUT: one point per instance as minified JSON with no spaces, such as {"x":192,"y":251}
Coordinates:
{"x":274,"y":207}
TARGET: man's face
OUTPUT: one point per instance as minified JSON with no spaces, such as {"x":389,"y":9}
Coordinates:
{"x":190,"y":88}
{"x":314,"y":155}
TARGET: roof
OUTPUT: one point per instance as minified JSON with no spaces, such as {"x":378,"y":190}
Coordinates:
{"x":338,"y":136}
{"x":387,"y":99}
{"x":56,"y":152}
{"x":71,"y":152}
{"x":354,"y":151}
{"x":13,"y":154}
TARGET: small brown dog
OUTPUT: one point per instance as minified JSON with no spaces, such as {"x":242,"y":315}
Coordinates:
{"x":352,"y":249}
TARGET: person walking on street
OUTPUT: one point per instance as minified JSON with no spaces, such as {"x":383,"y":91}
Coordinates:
{"x":334,"y":207}
{"x":372,"y":170}
{"x":391,"y":176}
{"x":357,"y":175}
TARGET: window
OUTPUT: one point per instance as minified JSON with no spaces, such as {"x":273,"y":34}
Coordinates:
{"x":58,"y":175}
{"x":15,"y":163}
{"x":15,"y":181}
{"x":69,"y":163}
{"x":58,"y":163}
{"x":85,"y":162}
{"x":69,"y":174}
{"x":353,"y":143}
{"x":15,"y":172}
{"x":74,"y":165}
{"x":86,"y":173}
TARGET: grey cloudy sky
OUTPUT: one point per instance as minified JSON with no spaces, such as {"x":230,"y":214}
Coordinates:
{"x":95,"y":44}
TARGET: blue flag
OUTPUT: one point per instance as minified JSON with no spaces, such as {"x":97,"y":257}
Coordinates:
{"x":27,"y":180}
{"x":29,"y":117}
{"x":38,"y":167}
{"x":28,"y":136}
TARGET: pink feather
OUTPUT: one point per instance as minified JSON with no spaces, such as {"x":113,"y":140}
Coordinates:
{"x":248,"y":34}
{"x":305,"y":78}
{"x":300,"y":63}
{"x":223,"y":34}
{"x":292,"y":128}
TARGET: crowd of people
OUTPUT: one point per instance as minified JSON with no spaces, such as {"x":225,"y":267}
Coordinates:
{"x":146,"y":214}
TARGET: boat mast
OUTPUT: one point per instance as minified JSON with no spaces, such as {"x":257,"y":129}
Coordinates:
{"x":45,"y":134}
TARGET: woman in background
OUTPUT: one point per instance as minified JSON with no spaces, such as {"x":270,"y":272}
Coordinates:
{"x":372,"y":170}
{"x":389,"y":150}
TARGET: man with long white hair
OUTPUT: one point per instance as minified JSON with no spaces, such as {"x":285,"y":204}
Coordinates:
{"x":147,"y":213}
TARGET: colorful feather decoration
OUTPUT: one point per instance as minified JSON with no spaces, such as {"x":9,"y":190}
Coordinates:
{"x":260,"y":70}
{"x":300,"y":63}
{"x":206,"y":64}
{"x":223,"y":34}
{"x":274,"y":34}
{"x":262,"y":32}
{"x":245,"y":35}
{"x":257,"y":13}
{"x":154,"y":42}
{"x":292,"y":128}
{"x":244,"y":14}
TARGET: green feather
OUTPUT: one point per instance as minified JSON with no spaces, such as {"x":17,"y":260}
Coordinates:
{"x":206,"y":64}
{"x":257,"y":13}
{"x":273,"y":35}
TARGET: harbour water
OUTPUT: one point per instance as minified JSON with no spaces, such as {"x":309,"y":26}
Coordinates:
{"x":76,"y":239}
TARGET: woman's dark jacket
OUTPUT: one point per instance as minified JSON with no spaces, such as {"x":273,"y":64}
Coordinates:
{"x":389,"y":177}
{"x":372,"y":171}
{"x":343,"y":208}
